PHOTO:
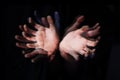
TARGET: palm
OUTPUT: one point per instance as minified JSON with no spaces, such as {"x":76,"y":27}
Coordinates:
{"x":47,"y":39}
{"x":75,"y":43}
{"x":44,"y":40}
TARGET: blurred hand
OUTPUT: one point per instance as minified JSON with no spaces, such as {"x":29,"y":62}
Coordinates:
{"x":44,"y":40}
{"x":79,"y":41}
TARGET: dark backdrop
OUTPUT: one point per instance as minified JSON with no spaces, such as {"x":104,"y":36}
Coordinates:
{"x":104,"y":66}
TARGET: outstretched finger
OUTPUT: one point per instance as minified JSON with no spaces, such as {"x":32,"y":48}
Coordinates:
{"x":44,"y":21}
{"x":51,"y":23}
{"x":79,"y":20}
{"x":28,"y":30}
{"x":33,"y":23}
{"x":31,"y":38}
{"x":31,"y":45}
{"x":93,"y":32}
{"x":26,"y":51}
{"x":35,"y":52}
{"x":21,"y":27}
{"x":21,"y":45}
{"x":50,"y":20}
{"x":22,"y":39}
{"x":39,"y":57}
{"x":93,"y":43}
{"x":95,"y":26}
{"x":82,"y":30}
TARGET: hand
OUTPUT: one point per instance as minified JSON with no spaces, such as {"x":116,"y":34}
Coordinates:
{"x":79,"y":41}
{"x":44,"y":39}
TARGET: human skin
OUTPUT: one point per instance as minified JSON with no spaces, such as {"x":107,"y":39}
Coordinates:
{"x":45,"y":40}
{"x":79,"y":41}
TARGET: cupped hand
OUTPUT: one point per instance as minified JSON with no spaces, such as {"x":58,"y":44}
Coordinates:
{"x":79,"y":41}
{"x":44,"y":40}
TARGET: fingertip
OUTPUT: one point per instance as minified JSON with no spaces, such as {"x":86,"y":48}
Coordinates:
{"x":99,"y":27}
{"x":42,"y":18}
{"x":16,"y":36}
{"x":48,"y":16}
{"x":17,"y":44}
{"x":85,"y":28}
{"x":82,"y":16}
{"x":26,"y":56}
{"x":25,"y":27}
{"x":23,"y":33}
{"x":33,"y":61}
{"x":97,"y":23}
{"x":20,"y":27}
{"x":29,"y":20}
{"x":80,"y":19}
{"x":23,"y":52}
{"x":28,"y":45}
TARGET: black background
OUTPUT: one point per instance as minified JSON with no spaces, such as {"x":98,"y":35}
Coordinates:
{"x":106,"y":64}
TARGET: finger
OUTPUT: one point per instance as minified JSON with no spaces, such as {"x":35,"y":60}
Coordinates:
{"x":57,"y":20}
{"x":82,"y":30}
{"x":76,"y":24}
{"x":31,"y":54}
{"x":92,"y":54}
{"x":39,"y":27}
{"x":21,"y":27}
{"x":21,"y":45}
{"x":86,"y":51}
{"x":94,"y":32}
{"x":89,"y":54}
{"x":51,"y":23}
{"x":95,"y":26}
{"x":50,"y":20}
{"x":74,"y":55}
{"x":27,"y":51}
{"x":28,"y":30}
{"x":86,"y":55}
{"x":28,"y":37}
{"x":22,"y":39}
{"x":78,"y":21}
{"x":31,"y":45}
{"x":35,"y":45}
{"x":92,"y":51}
{"x":91,"y":32}
{"x":35,"y":52}
{"x":33,"y":23}
{"x":38,"y":57}
{"x":44,"y":21}
{"x":93,"y":43}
